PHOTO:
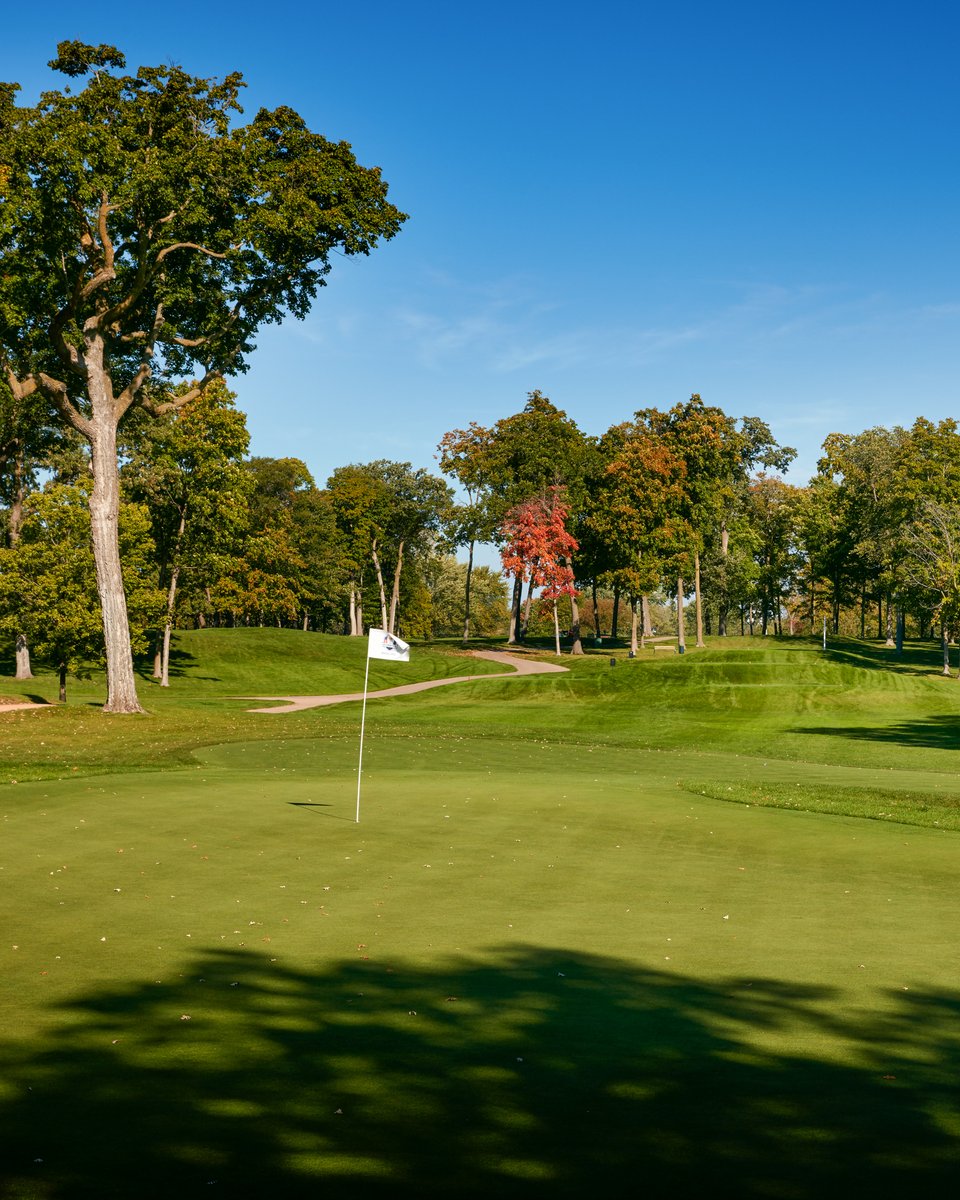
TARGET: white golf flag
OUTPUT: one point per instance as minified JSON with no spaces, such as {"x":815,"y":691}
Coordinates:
{"x":381,"y":644}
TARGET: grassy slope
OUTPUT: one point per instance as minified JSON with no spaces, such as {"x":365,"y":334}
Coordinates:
{"x":537,"y":967}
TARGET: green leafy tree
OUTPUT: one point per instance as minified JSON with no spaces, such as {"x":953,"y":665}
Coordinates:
{"x":145,"y":237}
{"x":467,"y":456}
{"x":27,"y":439}
{"x":529,"y":453}
{"x":638,"y":515}
{"x":717,"y":456}
{"x":186,"y":467}
{"x":47,"y":579}
{"x":932,"y":563}
{"x":386,"y":512}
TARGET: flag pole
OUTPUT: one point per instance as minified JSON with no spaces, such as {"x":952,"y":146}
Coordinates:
{"x":363,"y":720}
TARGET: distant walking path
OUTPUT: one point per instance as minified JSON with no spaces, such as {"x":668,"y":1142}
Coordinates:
{"x":518,"y":667}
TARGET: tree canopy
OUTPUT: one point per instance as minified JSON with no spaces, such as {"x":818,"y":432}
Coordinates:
{"x":145,"y":237}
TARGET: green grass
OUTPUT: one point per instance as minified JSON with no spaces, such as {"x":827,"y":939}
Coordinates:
{"x":934,"y":809}
{"x":551,"y":959}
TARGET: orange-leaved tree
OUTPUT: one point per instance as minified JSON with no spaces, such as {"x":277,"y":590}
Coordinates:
{"x":538,"y":548}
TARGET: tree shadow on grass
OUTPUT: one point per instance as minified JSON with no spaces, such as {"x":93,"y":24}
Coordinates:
{"x":916,"y":658}
{"x":181,"y":661}
{"x":932,"y":733}
{"x":528,"y":1073}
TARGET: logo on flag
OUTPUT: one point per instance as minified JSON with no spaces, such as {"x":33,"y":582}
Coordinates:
{"x":381,"y":644}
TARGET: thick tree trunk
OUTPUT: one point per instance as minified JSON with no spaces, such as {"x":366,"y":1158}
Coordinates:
{"x":104,"y":530}
{"x":697,"y":598}
{"x":23,"y":658}
{"x":681,"y":635}
{"x":466,"y":596}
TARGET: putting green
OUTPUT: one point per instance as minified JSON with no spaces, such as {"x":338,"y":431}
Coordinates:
{"x":529,"y":970}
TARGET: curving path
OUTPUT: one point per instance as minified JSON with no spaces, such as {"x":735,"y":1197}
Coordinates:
{"x":519,"y":666}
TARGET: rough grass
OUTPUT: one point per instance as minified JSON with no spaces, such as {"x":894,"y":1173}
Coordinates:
{"x":548,"y":960}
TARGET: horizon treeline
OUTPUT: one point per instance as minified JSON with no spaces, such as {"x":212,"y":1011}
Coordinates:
{"x":678,"y":511}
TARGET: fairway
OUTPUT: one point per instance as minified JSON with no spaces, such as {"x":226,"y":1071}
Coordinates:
{"x":543,"y":963}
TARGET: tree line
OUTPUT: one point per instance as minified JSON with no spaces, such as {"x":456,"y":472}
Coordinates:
{"x":685,"y":502}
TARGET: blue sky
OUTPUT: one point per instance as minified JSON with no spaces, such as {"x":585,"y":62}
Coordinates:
{"x":617,"y":204}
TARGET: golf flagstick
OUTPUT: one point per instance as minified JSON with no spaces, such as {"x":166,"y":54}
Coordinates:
{"x":380,"y":644}
{"x":363,"y":723}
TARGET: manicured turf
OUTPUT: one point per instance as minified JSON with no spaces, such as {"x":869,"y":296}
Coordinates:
{"x":543,"y":964}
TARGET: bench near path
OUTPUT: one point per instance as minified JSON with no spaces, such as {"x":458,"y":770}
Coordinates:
{"x":518,"y":667}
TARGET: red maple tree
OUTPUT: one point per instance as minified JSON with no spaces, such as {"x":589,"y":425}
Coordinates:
{"x":538,"y":548}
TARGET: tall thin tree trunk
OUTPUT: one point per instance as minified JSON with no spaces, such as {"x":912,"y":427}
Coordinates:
{"x":172,"y":600}
{"x":889,"y":642}
{"x":527,"y":605}
{"x":681,"y":634}
{"x":168,"y":626}
{"x":576,"y":643}
{"x":633,"y":626}
{"x":14,"y":522}
{"x":383,"y":594}
{"x":646,"y":628}
{"x":723,"y":607}
{"x":556,"y":627}
{"x":945,"y":642}
{"x":63,"y":683}
{"x":697,"y":598}
{"x":515,"y":609}
{"x":395,"y":597}
{"x":466,"y":597}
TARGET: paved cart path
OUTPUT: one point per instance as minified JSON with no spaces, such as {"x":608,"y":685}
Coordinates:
{"x":518,"y":667}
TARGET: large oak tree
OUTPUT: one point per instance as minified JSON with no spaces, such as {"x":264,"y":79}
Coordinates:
{"x":145,"y":237}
